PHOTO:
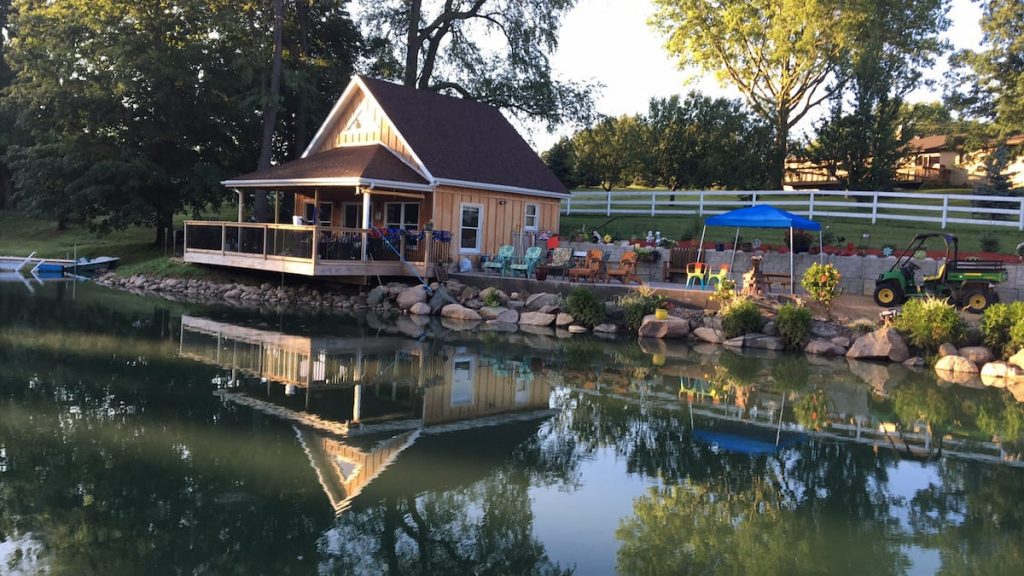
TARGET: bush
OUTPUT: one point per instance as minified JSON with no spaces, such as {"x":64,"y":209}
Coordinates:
{"x":584,"y":307}
{"x":802,"y":241}
{"x":929,"y":322}
{"x":996,"y":324}
{"x":638,"y":303}
{"x":822,"y":283}
{"x":794,"y":326}
{"x":990,"y":242}
{"x":491,"y":298}
{"x":741,"y":316}
{"x":725,"y":292}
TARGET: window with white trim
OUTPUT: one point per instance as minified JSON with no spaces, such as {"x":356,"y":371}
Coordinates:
{"x":471,"y":223}
{"x":351,"y":215}
{"x":463,"y":372}
{"x":403,"y":215}
{"x":531,"y":218}
{"x":322,"y":216}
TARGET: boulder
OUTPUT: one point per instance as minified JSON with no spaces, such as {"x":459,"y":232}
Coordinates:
{"x":491,"y":312}
{"x":1000,"y":374}
{"x":459,"y":312}
{"x":538,"y":301}
{"x":820,"y":347}
{"x":577,"y":329}
{"x":458,"y":324}
{"x":474,"y":303}
{"x":441,"y":298}
{"x":495,"y":326}
{"x":486,"y":293}
{"x":536,"y":319}
{"x":843,"y":341}
{"x":411,"y":295}
{"x":977,"y":354}
{"x":947,"y":349}
{"x":468,"y":293}
{"x":825,"y":330}
{"x":710,"y":335}
{"x":955,"y":364}
{"x":606,"y":328}
{"x":420,"y":309}
{"x":564,"y":319}
{"x":376,"y":296}
{"x":1017,"y":389}
{"x":769,"y":328}
{"x":759,"y":341}
{"x":549,"y":309}
{"x":1017,"y":359}
{"x":508,"y":316}
{"x":670,"y":327}
{"x":884,"y":343}
{"x":233,"y":294}
{"x":915,"y":362}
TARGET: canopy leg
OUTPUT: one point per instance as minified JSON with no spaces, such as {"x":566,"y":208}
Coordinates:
{"x":792,"y":288}
{"x":700,"y":247}
{"x":821,"y":249}
{"x":732,"y":261}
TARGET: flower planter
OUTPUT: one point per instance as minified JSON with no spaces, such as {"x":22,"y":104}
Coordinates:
{"x":661,"y":314}
{"x":541,"y":273}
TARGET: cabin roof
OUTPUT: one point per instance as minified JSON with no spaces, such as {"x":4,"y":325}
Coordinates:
{"x":462,"y":140}
{"x":371,"y":162}
{"x":932,"y":143}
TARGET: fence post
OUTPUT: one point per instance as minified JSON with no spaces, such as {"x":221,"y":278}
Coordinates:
{"x":608,"y":207}
{"x":223,"y":238}
{"x":700,"y":207}
{"x":266,"y":227}
{"x":874,"y":208}
{"x":652,"y":202}
{"x":945,"y":211}
{"x":1020,"y":226}
{"x":568,"y":206}
{"x":755,"y":198}
{"x":810,"y":207}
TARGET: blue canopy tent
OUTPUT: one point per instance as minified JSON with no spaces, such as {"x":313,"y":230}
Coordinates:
{"x":761,"y":216}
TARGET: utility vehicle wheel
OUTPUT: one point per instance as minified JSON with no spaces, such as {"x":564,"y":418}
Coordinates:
{"x":888,"y":294}
{"x":977,"y":299}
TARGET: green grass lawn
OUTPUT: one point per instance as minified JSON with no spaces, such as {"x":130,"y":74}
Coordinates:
{"x":885,"y":232}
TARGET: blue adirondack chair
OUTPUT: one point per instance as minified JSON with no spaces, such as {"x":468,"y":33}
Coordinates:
{"x":530,"y":260}
{"x":501,"y":262}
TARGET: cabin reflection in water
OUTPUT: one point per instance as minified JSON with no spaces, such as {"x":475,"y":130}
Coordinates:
{"x":358,"y":402}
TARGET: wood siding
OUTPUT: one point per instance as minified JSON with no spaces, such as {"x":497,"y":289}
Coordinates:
{"x":375,"y":128}
{"x":494,"y":392}
{"x":500,"y":219}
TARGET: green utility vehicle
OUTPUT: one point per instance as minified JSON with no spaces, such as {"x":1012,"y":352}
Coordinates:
{"x":966,"y":283}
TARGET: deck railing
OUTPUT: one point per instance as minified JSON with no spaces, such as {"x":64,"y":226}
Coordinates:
{"x":316,"y":243}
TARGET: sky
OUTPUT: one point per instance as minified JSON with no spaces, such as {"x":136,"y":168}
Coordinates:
{"x":609,"y":41}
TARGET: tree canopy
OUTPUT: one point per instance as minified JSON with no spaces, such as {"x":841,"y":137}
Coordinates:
{"x":493,"y":51}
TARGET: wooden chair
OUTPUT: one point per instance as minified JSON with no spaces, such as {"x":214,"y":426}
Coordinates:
{"x":696,"y":271}
{"x":722,"y":275}
{"x":502,"y":261}
{"x":676,"y":263}
{"x":590,"y":267}
{"x":561,"y":260}
{"x":626,"y":270}
{"x":530,"y":260}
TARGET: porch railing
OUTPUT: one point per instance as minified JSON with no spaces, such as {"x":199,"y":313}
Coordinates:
{"x":317,"y":243}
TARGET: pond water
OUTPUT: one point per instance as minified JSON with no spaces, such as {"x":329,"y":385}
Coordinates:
{"x":143,"y":436}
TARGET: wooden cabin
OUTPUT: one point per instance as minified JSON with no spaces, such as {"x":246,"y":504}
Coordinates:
{"x":396,"y":182}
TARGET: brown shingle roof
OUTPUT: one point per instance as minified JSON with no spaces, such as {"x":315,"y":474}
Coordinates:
{"x":373,"y":161}
{"x":459,"y":139}
{"x":930,"y":143}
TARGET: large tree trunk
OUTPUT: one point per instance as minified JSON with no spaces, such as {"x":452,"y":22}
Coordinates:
{"x":779,"y":150}
{"x":164,"y":224}
{"x":301,"y":135}
{"x":270,"y":108}
{"x":412,"y":44}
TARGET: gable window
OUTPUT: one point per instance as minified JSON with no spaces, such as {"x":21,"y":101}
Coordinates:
{"x":321,"y":217}
{"x":403,"y":215}
{"x":471,"y":228}
{"x":532,"y":217}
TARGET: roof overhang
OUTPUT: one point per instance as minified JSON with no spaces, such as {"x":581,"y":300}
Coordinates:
{"x":501,"y":188}
{"x":315,"y":182}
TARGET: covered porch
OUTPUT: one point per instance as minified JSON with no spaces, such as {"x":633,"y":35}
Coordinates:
{"x":341,"y":226}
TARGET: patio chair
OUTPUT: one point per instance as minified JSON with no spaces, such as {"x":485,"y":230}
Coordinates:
{"x":626,"y":269}
{"x":590,"y":267}
{"x":720,"y":276}
{"x":696,"y":271}
{"x":502,"y":261}
{"x":561,"y":260}
{"x":530,"y":260}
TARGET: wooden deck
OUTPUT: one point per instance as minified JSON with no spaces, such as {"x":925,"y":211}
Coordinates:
{"x":311,"y":250}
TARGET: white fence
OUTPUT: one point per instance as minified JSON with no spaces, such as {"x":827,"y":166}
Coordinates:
{"x":942,"y":209}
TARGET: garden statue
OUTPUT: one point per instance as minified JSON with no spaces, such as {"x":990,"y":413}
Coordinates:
{"x":650,"y":237}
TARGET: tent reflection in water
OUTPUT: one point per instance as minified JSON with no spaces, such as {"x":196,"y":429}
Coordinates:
{"x":762,"y":216}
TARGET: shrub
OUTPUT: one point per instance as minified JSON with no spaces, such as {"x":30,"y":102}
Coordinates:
{"x":491,"y":298}
{"x":638,"y":303}
{"x":794,"y":326}
{"x":741,"y":316}
{"x":725,"y":292}
{"x":996,"y":323}
{"x":584,"y":307}
{"x":929,"y":322}
{"x":812,"y":410}
{"x":802,"y":241}
{"x":822,"y":283}
{"x":990,"y":242}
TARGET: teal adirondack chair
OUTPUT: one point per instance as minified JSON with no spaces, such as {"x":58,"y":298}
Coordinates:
{"x":530,"y":260}
{"x":501,"y":262}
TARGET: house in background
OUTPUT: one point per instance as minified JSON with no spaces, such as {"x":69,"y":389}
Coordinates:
{"x":396,"y":182}
{"x":934,"y":160}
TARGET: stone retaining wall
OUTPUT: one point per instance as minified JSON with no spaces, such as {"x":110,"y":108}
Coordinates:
{"x":859,"y":272}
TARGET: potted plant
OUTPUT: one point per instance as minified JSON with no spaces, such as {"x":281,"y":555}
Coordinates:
{"x":541,"y":272}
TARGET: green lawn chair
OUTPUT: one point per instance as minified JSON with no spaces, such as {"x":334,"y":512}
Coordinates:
{"x":502,"y":261}
{"x":529,"y":262}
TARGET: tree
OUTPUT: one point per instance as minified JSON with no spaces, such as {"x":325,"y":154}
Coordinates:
{"x":610,"y":153}
{"x":492,"y":51}
{"x":988,"y":84}
{"x":271,"y":105}
{"x":561,"y":159}
{"x":781,"y":54}
{"x":6,"y":183}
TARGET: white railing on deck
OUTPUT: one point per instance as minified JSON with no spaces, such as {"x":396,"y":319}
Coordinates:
{"x":942,"y":209}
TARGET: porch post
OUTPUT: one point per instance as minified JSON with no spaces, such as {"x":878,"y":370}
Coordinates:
{"x":366,"y":219}
{"x":792,"y":288}
{"x":277,"y":206}
{"x":316,"y":207}
{"x":241,"y":196}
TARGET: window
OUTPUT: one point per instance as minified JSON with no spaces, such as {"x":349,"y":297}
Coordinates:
{"x":470,"y":228}
{"x":404,"y":215}
{"x":532,"y":218}
{"x":323,"y":216}
{"x":462,"y":381}
{"x":351,"y":215}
